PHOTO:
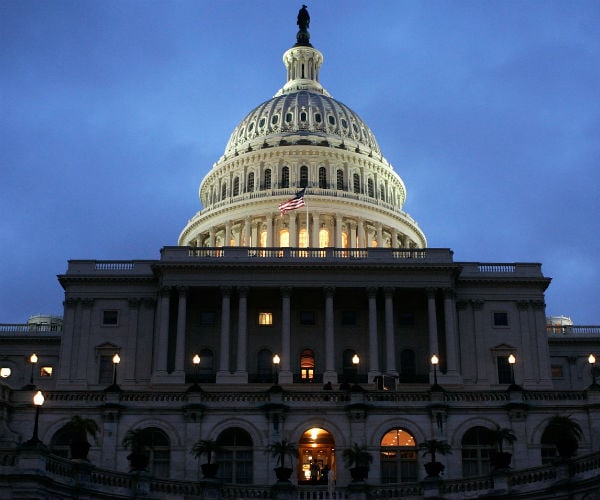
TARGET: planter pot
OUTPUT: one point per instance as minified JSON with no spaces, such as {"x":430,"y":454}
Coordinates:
{"x":567,"y":447}
{"x":434,"y":469}
{"x":209,"y":471}
{"x":138,"y":461}
{"x":79,"y":450}
{"x":283,"y":473}
{"x":500,"y":460}
{"x":359,"y":473}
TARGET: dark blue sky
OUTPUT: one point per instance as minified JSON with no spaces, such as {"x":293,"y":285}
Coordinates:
{"x":111,"y":112}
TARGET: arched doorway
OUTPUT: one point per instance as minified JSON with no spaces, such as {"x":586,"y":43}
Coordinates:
{"x":316,"y":456}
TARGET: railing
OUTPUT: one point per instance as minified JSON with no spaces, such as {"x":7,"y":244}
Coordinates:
{"x":576,"y":330}
{"x":30,"y":329}
{"x":60,"y":477}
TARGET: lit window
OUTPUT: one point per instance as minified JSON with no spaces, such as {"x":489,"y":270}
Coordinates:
{"x":263,"y":239}
{"x":557,"y":371}
{"x":46,"y":371}
{"x":323,"y":238}
{"x":110,"y":318}
{"x":307,"y":365}
{"x":302,"y":240}
{"x":500,"y":319}
{"x":265,"y":318}
{"x":398,"y":457}
{"x":284,"y":238}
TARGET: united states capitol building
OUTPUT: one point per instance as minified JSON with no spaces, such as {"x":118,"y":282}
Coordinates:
{"x":329,"y":325}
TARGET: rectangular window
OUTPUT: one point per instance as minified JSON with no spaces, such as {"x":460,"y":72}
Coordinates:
{"x":46,"y":371}
{"x":348,"y":318}
{"x":105,"y":371}
{"x":500,"y":319}
{"x":504,"y":370}
{"x":265,"y":318}
{"x":406,"y":319}
{"x":557,"y":371}
{"x":208,"y":318}
{"x":307,"y":317}
{"x":110,"y":318}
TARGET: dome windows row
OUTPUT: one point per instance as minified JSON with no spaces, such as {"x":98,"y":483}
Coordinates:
{"x":315,"y":177}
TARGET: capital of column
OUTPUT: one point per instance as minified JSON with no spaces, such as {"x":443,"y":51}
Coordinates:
{"x":329,"y":291}
{"x":372,"y":291}
{"x":226,"y":291}
{"x":286,"y":291}
{"x":242,"y":291}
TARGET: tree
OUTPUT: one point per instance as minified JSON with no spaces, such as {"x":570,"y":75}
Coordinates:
{"x":79,"y":428}
{"x":431,"y":447}
{"x":208,"y":447}
{"x":358,"y":460}
{"x":280,"y":450}
{"x":499,"y":458}
{"x":565,"y":433}
{"x":138,"y":441}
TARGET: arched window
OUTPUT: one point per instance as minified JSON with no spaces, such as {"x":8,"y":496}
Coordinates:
{"x":548,"y":449}
{"x":323,"y":238}
{"x":223,"y":191}
{"x":408,"y":369}
{"x":356,"y":183}
{"x":60,"y":443}
{"x":236,"y":186}
{"x":303,"y":176}
{"x":267,"y":184}
{"x":344,"y":240}
{"x":285,"y":177}
{"x":322,"y":178}
{"x":264,"y":364}
{"x":340,"y":180}
{"x":263,"y":239}
{"x":398,"y":457}
{"x":477,"y":443}
{"x":235,"y":461}
{"x":307,"y":365}
{"x":302,"y":239}
{"x":250,"y":187}
{"x":159,"y":448}
{"x":370,"y":188}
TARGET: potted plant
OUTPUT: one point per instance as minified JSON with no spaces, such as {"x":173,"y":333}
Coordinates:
{"x":138,"y":441}
{"x":78,"y":428}
{"x":564,"y":433}
{"x":208,"y":447}
{"x":280,"y":450}
{"x":499,"y":458}
{"x":358,"y":460}
{"x":433,"y":447}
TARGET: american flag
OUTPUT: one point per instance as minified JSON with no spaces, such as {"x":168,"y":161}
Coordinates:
{"x":296,"y":202}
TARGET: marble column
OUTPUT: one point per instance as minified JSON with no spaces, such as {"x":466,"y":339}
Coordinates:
{"x":314,"y":240}
{"x":451,"y":375}
{"x":373,"y":343}
{"x":390,"y":358}
{"x":285,"y":373}
{"x":432,"y":324}
{"x":330,"y":374}
{"x":227,"y":241}
{"x":338,"y":231}
{"x":225,"y":312}
{"x":270,"y":230}
{"x":247,"y":235}
{"x":181,"y":325}
{"x":362,"y":234}
{"x":162,"y":334}
{"x":242,"y":343}
{"x":293,"y":230}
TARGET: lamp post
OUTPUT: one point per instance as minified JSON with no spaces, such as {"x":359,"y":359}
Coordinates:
{"x":38,"y":401}
{"x":592,"y":362}
{"x":355,"y":363}
{"x":116,"y":360}
{"x":33,"y":359}
{"x":511,"y":361}
{"x":276,"y":361}
{"x":435,"y":361}
{"x":196,"y":362}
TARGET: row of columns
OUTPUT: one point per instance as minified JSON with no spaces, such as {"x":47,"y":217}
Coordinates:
{"x":239,"y":373}
{"x":359,"y":232}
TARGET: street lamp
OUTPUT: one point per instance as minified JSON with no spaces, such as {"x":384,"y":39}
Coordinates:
{"x":435,"y":361}
{"x":38,"y":401}
{"x":511,"y":361}
{"x":276,"y":361}
{"x":592,"y":361}
{"x":33,"y":359}
{"x":116,"y":360}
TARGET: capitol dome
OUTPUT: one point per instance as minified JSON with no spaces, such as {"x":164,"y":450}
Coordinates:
{"x":304,"y":141}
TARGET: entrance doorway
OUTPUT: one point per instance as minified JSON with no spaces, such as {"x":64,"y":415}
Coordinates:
{"x":316,"y":456}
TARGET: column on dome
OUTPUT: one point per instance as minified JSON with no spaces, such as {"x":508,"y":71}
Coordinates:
{"x":242,"y":341}
{"x":293,"y":230}
{"x":269,"y":230}
{"x":255,"y":235}
{"x":211,"y":237}
{"x":225,"y":312}
{"x":162,"y":334}
{"x":353,"y":238}
{"x":247,"y":234}
{"x":379,"y":235}
{"x":338,"y":231}
{"x":451,"y":375}
{"x":432,"y":324}
{"x":330,"y":374}
{"x":362,"y":234}
{"x":390,"y":361}
{"x":373,"y":344}
{"x":180,"y":338}
{"x":227,"y":241}
{"x":394,"y":238}
{"x":285,"y":374}
{"x":314,"y":241}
